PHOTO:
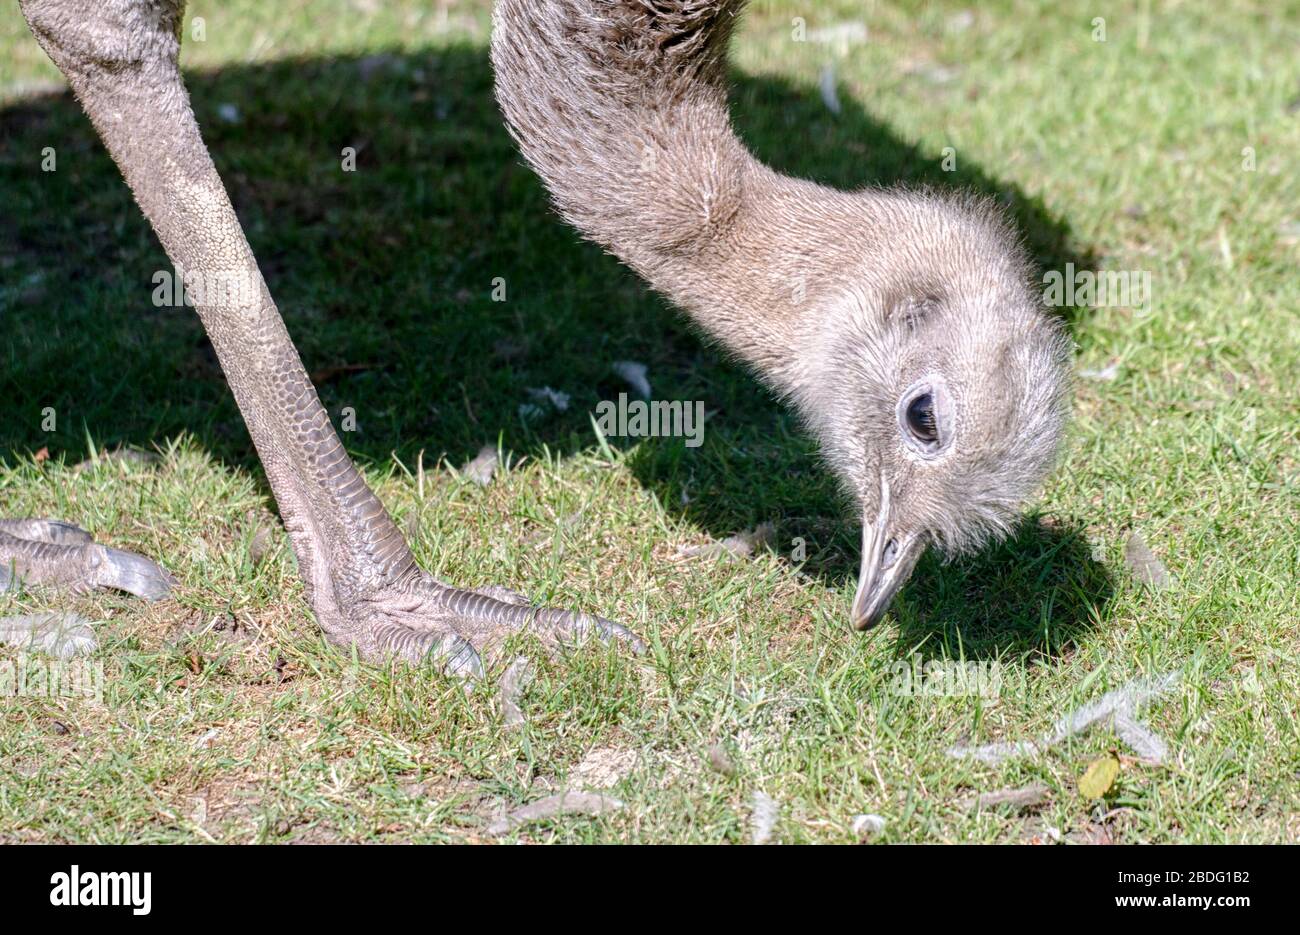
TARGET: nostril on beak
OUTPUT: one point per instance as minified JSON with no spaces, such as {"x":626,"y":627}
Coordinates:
{"x":890,"y":554}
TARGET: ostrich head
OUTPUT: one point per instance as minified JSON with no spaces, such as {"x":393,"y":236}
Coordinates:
{"x":918,"y":354}
{"x":937,"y":387}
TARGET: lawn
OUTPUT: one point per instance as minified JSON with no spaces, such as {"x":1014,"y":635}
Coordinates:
{"x":1169,"y":148}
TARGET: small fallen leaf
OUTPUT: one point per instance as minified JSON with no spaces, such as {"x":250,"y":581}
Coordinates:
{"x":1098,"y":777}
{"x":42,"y":455}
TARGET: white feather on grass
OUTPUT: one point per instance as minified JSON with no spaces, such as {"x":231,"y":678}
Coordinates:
{"x":62,"y":635}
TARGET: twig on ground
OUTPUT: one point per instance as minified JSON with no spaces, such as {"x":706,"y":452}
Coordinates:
{"x":1025,"y":797}
{"x":564,"y":803}
{"x":1119,"y":707}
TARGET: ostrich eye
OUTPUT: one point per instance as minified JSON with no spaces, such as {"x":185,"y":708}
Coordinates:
{"x":920,"y":419}
{"x":926,"y":417}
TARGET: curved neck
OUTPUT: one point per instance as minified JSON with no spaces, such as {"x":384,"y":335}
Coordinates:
{"x":622,"y":110}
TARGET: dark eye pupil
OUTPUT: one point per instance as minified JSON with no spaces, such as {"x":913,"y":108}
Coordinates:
{"x":920,"y":418}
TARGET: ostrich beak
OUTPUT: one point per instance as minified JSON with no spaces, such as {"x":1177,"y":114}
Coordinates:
{"x":888,"y":557}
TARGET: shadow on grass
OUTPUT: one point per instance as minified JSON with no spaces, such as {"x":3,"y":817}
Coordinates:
{"x":1036,"y":594}
{"x":385,"y":278}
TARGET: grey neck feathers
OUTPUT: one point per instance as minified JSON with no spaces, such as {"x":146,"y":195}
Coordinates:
{"x":620,"y":106}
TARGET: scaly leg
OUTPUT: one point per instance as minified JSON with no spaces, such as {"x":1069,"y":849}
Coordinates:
{"x":120,"y":57}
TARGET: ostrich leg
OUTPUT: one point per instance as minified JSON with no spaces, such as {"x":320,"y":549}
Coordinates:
{"x":121,"y":58}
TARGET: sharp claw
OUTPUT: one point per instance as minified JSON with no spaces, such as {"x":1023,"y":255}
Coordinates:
{"x":463,"y":661}
{"x":580,"y":627}
{"x":132,"y":573}
{"x":608,"y":630}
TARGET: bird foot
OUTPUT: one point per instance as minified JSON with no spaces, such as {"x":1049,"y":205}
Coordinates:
{"x":50,"y":552}
{"x":414,"y":619}
{"x":422,"y":618}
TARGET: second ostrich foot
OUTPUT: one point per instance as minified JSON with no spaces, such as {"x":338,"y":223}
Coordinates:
{"x":50,"y":552}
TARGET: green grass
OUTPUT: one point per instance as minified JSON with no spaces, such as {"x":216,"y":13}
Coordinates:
{"x":225,"y":717}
